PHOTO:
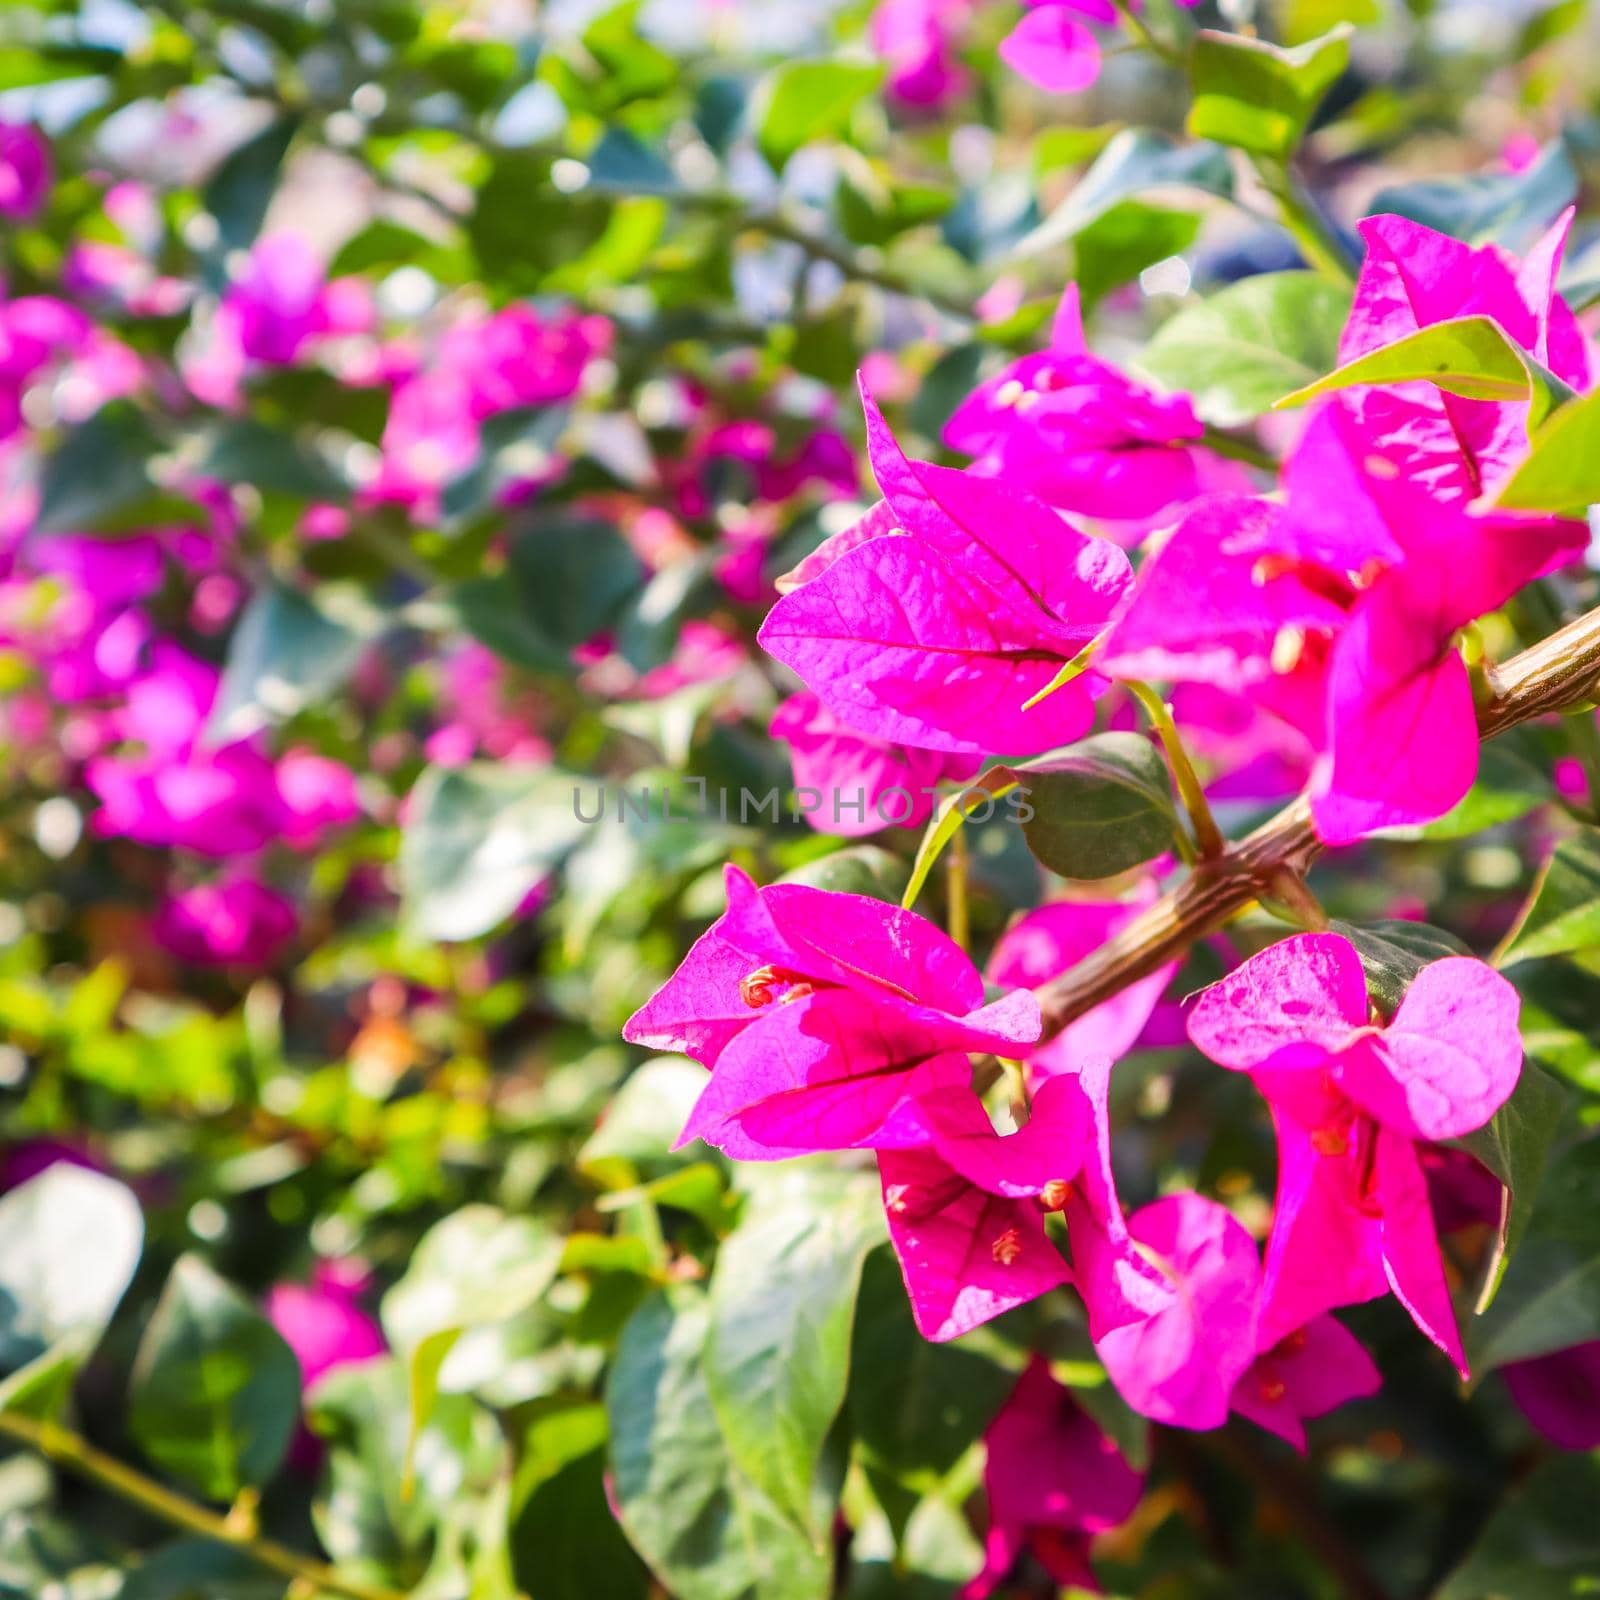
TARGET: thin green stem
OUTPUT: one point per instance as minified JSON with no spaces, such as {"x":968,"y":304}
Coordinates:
{"x":957,"y":921}
{"x":1238,"y":449}
{"x":1207,"y":835}
{"x":1137,"y":26}
{"x":73,"y":1452}
{"x":1319,"y":244}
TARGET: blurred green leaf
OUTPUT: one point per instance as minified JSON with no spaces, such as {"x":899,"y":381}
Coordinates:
{"x":1242,"y":349}
{"x":1509,"y":208}
{"x":287,"y":652}
{"x":215,"y":1392}
{"x":69,"y":1242}
{"x":478,"y":838}
{"x":1561,"y":472}
{"x":98,"y":479}
{"x":806,"y":100}
{"x":239,"y":192}
{"x":1542,"y":1544}
{"x":1136,"y":163}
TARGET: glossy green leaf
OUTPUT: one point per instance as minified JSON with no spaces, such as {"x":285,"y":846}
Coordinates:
{"x":783,"y":1299}
{"x":1099,"y":807}
{"x":1562,"y":471}
{"x":1236,"y":352}
{"x":1549,"y":1296}
{"x":703,"y":1528}
{"x":1562,"y":915}
{"x":1515,"y":1146}
{"x":1258,"y":96}
{"x":1393,"y":953}
{"x":215,"y":1391}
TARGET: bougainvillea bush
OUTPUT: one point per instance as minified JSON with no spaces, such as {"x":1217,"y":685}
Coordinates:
{"x":799,"y":801}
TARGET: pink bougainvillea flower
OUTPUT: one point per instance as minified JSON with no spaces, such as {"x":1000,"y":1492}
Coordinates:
{"x":1044,"y":942}
{"x":936,"y":631}
{"x":25,"y":171}
{"x":1306,"y":1374}
{"x":916,"y":41}
{"x":1349,"y":1097}
{"x":864,"y":784}
{"x":1171,"y":1297}
{"x":1052,"y":48}
{"x":1077,"y":431}
{"x":1053,"y":1480}
{"x":1412,"y":277}
{"x":1559,"y":1394}
{"x":237,"y":922}
{"x":963,"y":1215}
{"x":824,"y":1017}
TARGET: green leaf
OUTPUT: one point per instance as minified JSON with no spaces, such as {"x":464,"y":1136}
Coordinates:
{"x":1542,"y":1543}
{"x":806,"y":100}
{"x":287,"y":652}
{"x":477,"y":839}
{"x":1468,"y":356}
{"x":1393,"y":953}
{"x":1135,"y":163}
{"x":644,"y":1118}
{"x":1117,"y":246}
{"x":866,"y":869}
{"x":1562,"y":471}
{"x":241,"y":189}
{"x":271,"y":460}
{"x":566,"y":580}
{"x":215,"y":1391}
{"x":1562,"y":915}
{"x":98,"y":479}
{"x":703,"y":1528}
{"x":513,"y":446}
{"x":1509,"y":208}
{"x":476,"y":1268}
{"x":1257,"y":96}
{"x":1236,"y":352}
{"x":1515,"y":1146}
{"x":783,"y":1299}
{"x":1508,"y":786}
{"x":621,"y":164}
{"x":917,"y":1407}
{"x":69,"y":1242}
{"x":1549,"y":1297}
{"x":1099,"y":807}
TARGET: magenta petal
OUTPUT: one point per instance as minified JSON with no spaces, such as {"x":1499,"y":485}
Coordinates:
{"x":1066,"y":327}
{"x":878,"y":523}
{"x":1560,"y":1394}
{"x":1324,"y":1250}
{"x":1210,"y":605}
{"x":1307,"y":1374}
{"x":1051,"y":48}
{"x":1048,"y":1148}
{"x":1404,"y":733}
{"x":1044,"y":942}
{"x":1178,"y":1363}
{"x":1411,"y":1259}
{"x":966,"y":1255}
{"x":1448,"y":1060}
{"x":903,"y":644}
{"x":1291,"y":1005}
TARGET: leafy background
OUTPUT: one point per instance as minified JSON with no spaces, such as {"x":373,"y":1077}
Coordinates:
{"x":614,"y":1368}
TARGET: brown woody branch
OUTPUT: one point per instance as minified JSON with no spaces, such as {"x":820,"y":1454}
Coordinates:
{"x":1558,"y":672}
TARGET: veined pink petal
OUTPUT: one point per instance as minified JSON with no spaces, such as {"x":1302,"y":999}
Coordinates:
{"x":1291,"y":1005}
{"x":878,"y":523}
{"x":905,"y":645}
{"x":1048,"y":1149}
{"x":966,"y":1255}
{"x":1306,"y":1374}
{"x":1448,"y":1060}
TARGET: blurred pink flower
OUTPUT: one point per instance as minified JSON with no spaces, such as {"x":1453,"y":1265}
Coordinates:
{"x":25,"y":171}
{"x":236,"y":922}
